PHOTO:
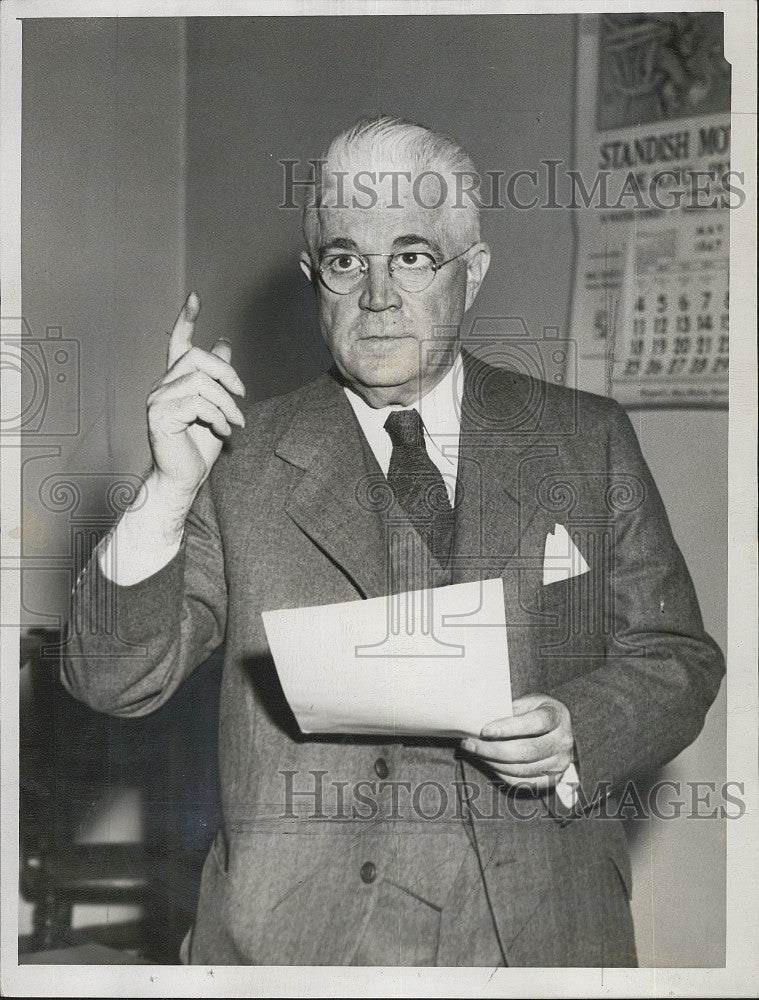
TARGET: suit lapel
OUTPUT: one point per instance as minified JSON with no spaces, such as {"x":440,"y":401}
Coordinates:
{"x":495,"y":509}
{"x":339,"y":500}
{"x":500,"y":530}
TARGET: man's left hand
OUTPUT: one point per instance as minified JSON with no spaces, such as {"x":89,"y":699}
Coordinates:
{"x":534,"y":747}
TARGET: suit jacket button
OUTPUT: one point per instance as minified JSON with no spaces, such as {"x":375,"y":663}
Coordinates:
{"x":368,"y":872}
{"x":381,"y":768}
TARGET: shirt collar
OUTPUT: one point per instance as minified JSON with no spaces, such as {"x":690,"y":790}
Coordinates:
{"x":440,"y":410}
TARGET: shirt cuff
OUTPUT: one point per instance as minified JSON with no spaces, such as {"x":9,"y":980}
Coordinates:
{"x":566,"y":787}
{"x":129,"y":555}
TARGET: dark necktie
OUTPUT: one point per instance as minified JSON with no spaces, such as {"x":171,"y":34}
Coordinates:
{"x":418,"y":484}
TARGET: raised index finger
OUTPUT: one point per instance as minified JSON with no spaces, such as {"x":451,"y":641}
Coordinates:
{"x":180,"y":339}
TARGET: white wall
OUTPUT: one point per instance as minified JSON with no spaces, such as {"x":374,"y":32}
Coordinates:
{"x":680,"y":864}
{"x":102,"y":258}
{"x":102,"y":247}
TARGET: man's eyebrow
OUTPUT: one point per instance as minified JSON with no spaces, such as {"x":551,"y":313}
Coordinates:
{"x":407,"y":240}
{"x":413,"y":239}
{"x":338,"y":243}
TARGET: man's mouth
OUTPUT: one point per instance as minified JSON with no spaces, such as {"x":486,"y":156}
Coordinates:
{"x":385,"y":336}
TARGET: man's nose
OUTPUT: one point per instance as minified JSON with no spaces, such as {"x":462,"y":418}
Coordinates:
{"x":379,"y":291}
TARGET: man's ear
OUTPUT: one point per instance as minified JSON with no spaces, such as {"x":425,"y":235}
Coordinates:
{"x":305,"y":265}
{"x":478,"y":262}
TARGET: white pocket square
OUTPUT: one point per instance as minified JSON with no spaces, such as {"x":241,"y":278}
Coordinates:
{"x":562,"y":559}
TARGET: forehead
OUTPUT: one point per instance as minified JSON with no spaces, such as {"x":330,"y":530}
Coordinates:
{"x":379,"y":227}
{"x":375,"y":196}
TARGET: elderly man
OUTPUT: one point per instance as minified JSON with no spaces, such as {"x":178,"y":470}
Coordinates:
{"x":275,"y":506}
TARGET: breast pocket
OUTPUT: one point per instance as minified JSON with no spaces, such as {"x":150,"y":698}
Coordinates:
{"x":543,"y":605}
{"x":574,"y":615}
{"x":568,"y":620}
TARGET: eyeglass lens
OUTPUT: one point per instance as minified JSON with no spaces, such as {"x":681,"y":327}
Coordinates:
{"x":411,"y":271}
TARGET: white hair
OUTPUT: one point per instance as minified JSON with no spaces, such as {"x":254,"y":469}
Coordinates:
{"x":395,"y":144}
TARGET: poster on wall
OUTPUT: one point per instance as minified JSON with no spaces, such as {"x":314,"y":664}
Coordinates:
{"x":653,"y":190}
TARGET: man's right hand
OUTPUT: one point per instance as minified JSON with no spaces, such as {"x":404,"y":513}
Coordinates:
{"x":189,"y":415}
{"x":190,"y":410}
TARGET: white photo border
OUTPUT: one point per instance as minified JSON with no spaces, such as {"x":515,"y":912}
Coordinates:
{"x":740,"y":977}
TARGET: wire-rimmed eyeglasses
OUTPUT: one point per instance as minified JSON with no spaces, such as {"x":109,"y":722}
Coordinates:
{"x":412,"y":270}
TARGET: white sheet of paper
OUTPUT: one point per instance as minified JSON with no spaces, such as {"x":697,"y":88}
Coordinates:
{"x":422,"y":663}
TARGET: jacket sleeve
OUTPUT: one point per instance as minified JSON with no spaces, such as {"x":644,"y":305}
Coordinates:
{"x":128,"y":649}
{"x":661,"y":672}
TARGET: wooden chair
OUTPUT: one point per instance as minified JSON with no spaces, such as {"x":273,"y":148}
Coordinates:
{"x":69,"y":757}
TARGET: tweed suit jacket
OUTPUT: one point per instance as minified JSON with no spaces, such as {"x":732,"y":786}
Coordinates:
{"x":286,"y":519}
